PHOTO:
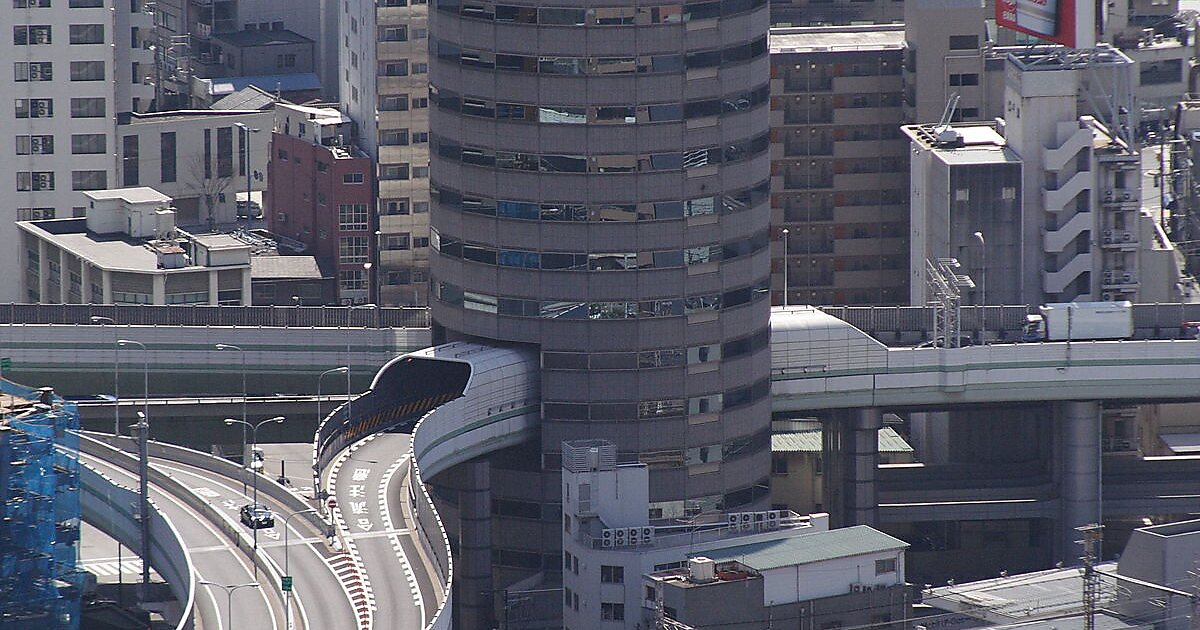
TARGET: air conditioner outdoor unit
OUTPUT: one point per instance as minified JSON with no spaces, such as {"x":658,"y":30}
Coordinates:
{"x":1108,"y":238}
{"x":1109,"y":276}
{"x":619,"y":537}
{"x":647,"y":535}
{"x":1109,"y":296}
{"x":1107,"y":235}
{"x":1127,"y":277}
{"x":1126,"y":196}
{"x":1127,"y":237}
{"x":1108,"y":195}
{"x":856,"y":587}
{"x":732,"y":518}
{"x":634,"y":536}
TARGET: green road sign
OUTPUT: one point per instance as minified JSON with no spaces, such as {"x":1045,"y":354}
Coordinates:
{"x":5,"y":363}
{"x":286,"y":586}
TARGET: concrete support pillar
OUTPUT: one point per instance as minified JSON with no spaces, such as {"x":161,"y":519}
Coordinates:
{"x":43,"y":274}
{"x":1080,"y":457}
{"x":106,"y":286}
{"x":213,"y":286}
{"x":64,"y":278}
{"x":863,"y":504}
{"x":159,"y":289}
{"x":85,"y":283}
{"x":930,"y":432}
{"x":247,"y":294}
{"x":851,"y":455}
{"x":474,"y":564}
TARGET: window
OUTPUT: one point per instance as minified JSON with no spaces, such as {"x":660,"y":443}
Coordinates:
{"x":86,"y":4}
{"x":25,"y":35}
{"x":420,"y":68}
{"x":398,"y":103}
{"x":88,"y":143}
{"x":31,"y":4}
{"x":35,"y":145}
{"x":87,"y":70}
{"x":420,"y":137}
{"x":420,"y":241}
{"x":779,"y":465}
{"x":393,"y":171}
{"x":34,"y":108}
{"x":166,"y":150}
{"x":964,"y":42}
{"x":420,"y":207}
{"x":199,"y":297}
{"x":352,"y":216}
{"x":34,"y":214}
{"x":964,"y":79}
{"x":352,"y":249}
{"x":420,"y":172}
{"x":393,"y":137}
{"x":885,"y":566}
{"x":285,"y":61}
{"x":397,"y":242}
{"x":394,"y":68}
{"x":130,"y":165}
{"x":352,"y":280}
{"x":225,"y":152}
{"x":351,"y":178}
{"x":87,"y":108}
{"x":33,"y":71}
{"x":35,"y":180}
{"x":89,"y":180}
{"x":87,"y":33}
{"x":612,"y":574}
{"x":395,"y":206}
{"x":420,"y":103}
{"x":612,"y":612}
{"x":125,"y":297}
{"x":393,"y":33}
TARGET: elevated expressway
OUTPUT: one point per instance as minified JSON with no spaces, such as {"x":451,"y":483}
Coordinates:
{"x":196,"y":536}
{"x":462,"y":400}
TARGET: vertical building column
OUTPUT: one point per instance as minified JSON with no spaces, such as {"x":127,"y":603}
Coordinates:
{"x":64,"y":278}
{"x":106,"y":286}
{"x":1079,"y":444}
{"x":43,"y":273}
{"x":159,"y":289}
{"x":247,"y":296}
{"x":475,"y":547}
{"x":85,"y":283}
{"x":214,"y":283}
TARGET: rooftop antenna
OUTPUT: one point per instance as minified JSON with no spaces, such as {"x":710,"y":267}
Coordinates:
{"x":942,"y":132}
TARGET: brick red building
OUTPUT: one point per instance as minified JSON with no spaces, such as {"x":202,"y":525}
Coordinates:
{"x":321,"y":192}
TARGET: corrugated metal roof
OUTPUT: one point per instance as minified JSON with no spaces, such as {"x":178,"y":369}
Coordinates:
{"x":809,"y":548}
{"x":809,"y":441}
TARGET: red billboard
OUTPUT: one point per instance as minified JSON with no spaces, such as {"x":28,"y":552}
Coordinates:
{"x":1051,"y":20}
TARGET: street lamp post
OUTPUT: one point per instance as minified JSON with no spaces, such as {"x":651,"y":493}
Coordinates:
{"x":367,"y":269}
{"x":982,"y":285}
{"x":242,"y":354}
{"x":785,"y":233}
{"x":254,"y":449}
{"x":229,"y":589}
{"x":287,"y":600}
{"x":316,"y":477}
{"x":246,"y":131}
{"x":96,"y":319}
{"x":143,"y":427}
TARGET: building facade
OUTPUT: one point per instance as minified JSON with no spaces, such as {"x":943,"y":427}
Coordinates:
{"x":384,"y":62}
{"x":76,"y":62}
{"x":128,"y":251}
{"x":839,"y":180}
{"x":322,"y":192}
{"x":601,"y":178}
{"x":197,"y":158}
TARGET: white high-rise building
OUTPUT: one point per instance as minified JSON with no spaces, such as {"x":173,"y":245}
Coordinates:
{"x":73,"y":66}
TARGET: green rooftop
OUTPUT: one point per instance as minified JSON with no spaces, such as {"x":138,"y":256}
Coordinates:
{"x":809,"y":548}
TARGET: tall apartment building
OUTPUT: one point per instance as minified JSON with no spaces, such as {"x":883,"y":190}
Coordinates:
{"x":72,"y":67}
{"x":384,"y":65}
{"x":839,"y":165}
{"x":600,"y":176}
{"x":321,"y":194}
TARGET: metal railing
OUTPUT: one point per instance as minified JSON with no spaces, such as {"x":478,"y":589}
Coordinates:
{"x":204,"y":315}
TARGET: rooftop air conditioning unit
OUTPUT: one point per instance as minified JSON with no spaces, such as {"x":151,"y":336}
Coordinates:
{"x":702,"y":570}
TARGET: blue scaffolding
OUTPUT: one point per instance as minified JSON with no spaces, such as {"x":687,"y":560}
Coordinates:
{"x":40,"y":583}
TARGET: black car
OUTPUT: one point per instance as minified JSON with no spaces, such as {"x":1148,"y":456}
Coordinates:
{"x":257,"y":516}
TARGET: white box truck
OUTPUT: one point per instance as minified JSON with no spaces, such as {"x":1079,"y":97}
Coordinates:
{"x":1080,"y":321}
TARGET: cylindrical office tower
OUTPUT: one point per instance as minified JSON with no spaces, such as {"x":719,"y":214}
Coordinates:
{"x":600,"y":180}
